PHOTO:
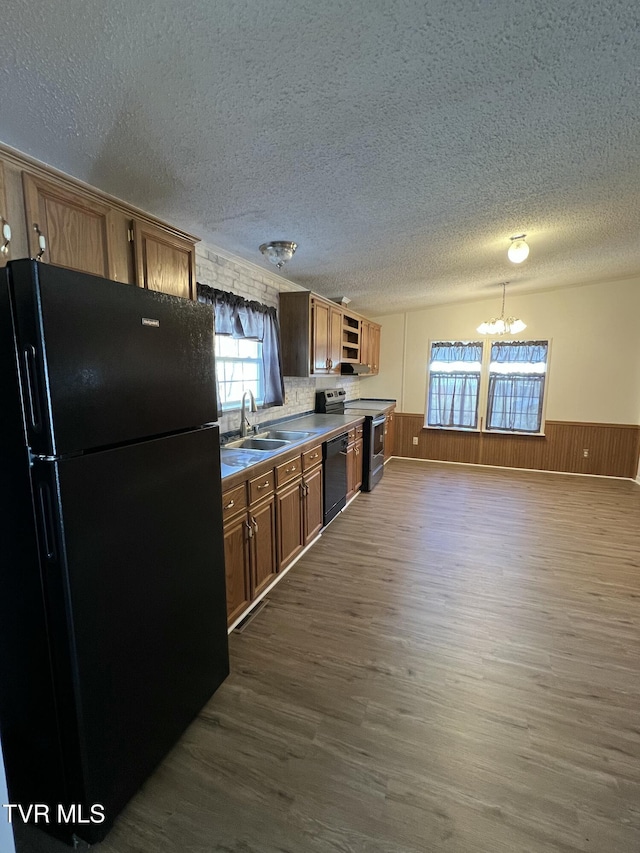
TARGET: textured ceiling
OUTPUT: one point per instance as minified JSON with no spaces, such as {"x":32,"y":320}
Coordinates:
{"x":399,"y":143}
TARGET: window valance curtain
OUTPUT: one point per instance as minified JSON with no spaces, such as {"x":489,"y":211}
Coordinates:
{"x":529,"y":352}
{"x":456,"y":351}
{"x":242,"y":318}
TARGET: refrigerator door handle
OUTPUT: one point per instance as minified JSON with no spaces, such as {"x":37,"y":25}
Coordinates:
{"x":30,"y":370}
{"x":48,"y":523}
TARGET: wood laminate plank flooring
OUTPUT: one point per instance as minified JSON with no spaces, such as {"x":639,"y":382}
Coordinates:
{"x":453,"y":668}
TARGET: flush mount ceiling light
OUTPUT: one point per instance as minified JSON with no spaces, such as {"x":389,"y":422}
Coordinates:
{"x":279,"y":251}
{"x":502,"y":325}
{"x":518,"y":251}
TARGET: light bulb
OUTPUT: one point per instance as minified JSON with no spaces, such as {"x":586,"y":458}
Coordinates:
{"x":518,"y":251}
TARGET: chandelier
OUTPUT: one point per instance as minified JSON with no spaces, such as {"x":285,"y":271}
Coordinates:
{"x":279,"y":251}
{"x":502,"y":325}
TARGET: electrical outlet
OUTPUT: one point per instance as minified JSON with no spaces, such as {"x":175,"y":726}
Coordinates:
{"x":585,"y":452}
{"x":415,"y":439}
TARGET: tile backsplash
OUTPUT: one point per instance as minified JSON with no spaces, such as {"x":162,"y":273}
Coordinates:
{"x":252,"y":282}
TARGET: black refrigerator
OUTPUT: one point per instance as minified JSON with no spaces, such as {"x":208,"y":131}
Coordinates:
{"x":112,"y":605}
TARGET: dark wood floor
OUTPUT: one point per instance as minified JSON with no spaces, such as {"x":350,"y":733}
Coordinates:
{"x":455,"y":666}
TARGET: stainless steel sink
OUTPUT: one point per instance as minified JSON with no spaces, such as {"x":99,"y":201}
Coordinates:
{"x":239,"y":458}
{"x":285,"y":435}
{"x":257,"y":444}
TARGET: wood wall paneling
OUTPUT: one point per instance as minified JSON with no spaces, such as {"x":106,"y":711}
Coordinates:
{"x":613,"y":449}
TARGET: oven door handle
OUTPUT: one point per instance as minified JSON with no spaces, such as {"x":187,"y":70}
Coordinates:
{"x":379,"y":420}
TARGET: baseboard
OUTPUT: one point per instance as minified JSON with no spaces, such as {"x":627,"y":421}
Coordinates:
{"x":511,"y":468}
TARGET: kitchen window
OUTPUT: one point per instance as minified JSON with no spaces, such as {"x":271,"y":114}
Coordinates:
{"x":238,"y":369}
{"x":498,"y":386}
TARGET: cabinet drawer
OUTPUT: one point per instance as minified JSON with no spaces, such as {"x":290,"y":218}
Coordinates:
{"x":260,"y":487}
{"x":359,"y":431}
{"x":351,"y":435}
{"x":233,"y":501}
{"x":312,"y":458}
{"x":288,"y":471}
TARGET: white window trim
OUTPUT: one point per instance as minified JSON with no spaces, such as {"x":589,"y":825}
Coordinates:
{"x":483,"y":390}
{"x":237,"y":406}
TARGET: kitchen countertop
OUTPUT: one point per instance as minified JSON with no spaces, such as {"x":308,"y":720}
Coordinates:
{"x":234,"y":461}
{"x":369,"y":405}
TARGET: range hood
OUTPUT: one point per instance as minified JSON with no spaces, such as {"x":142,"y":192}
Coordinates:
{"x":349,"y":368}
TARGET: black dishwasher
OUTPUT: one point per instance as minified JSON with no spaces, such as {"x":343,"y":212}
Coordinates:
{"x":334,"y":455}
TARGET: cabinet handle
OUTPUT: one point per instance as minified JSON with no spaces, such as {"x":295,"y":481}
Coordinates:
{"x":304,"y":490}
{"x":42,"y":243}
{"x":289,"y":470}
{"x":249,"y":530}
{"x":264,"y":485}
{"x":6,"y":236}
{"x":255,"y":524}
{"x":313,"y":456}
{"x":230,"y":504}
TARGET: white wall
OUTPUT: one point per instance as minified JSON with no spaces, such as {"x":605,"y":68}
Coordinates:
{"x":594,"y":370}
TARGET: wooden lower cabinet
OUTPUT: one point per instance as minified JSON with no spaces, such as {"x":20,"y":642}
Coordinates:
{"x":249,"y":549}
{"x":354,"y":461}
{"x":262,"y":545}
{"x":264,"y":531}
{"x":312,"y":514}
{"x":389,"y":434}
{"x":290,"y":537}
{"x":236,"y":564}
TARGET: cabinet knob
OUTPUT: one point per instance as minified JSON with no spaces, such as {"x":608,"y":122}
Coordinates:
{"x":290,"y":470}
{"x":264,"y":485}
{"x":313,"y":456}
{"x":42,"y":243}
{"x":6,"y":236}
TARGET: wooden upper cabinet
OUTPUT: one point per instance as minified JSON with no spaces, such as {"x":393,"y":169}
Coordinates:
{"x":374,"y":347}
{"x":164,"y":261}
{"x":76,"y":228}
{"x":318,"y":335}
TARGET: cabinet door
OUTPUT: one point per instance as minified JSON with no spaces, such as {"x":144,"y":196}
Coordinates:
{"x":389,"y":435}
{"x":263,"y":563}
{"x":365,"y":332}
{"x":357,"y":464}
{"x":374,"y":348}
{"x":236,"y":564}
{"x":5,"y":228}
{"x":312,"y":516}
{"x":75,"y":228}
{"x":335,"y":339}
{"x":351,"y":471}
{"x":164,"y":261}
{"x":290,"y":536}
{"x":319,"y":337}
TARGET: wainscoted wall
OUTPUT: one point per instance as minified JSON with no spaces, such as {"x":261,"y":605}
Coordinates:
{"x":613,"y":449}
{"x":253,"y":282}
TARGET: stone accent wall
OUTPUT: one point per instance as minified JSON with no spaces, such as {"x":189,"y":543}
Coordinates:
{"x":251,"y":281}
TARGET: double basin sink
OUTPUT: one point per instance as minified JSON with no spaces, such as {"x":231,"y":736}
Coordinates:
{"x":247,"y":451}
{"x":271,"y":440}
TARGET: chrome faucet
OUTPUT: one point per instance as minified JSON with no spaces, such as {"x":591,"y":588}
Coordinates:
{"x":244,"y":421}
